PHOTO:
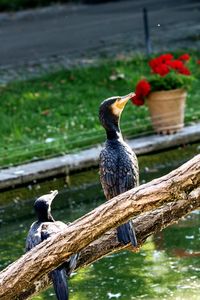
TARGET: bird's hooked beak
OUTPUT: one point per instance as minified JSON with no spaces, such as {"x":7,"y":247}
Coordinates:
{"x":121,"y":101}
{"x":48,"y":197}
{"x":52,"y":195}
{"x":119,"y":104}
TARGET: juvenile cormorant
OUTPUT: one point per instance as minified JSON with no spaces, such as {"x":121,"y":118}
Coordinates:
{"x":44,"y":228}
{"x":118,"y":163}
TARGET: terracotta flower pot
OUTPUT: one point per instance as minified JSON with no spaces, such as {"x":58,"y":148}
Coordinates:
{"x":167,"y":110}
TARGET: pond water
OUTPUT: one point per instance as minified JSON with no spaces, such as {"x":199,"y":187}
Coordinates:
{"x":167,"y":266}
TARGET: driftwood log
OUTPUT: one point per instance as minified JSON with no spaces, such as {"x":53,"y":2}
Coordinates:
{"x":164,"y":200}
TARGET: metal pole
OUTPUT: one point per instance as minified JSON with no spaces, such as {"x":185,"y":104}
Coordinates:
{"x":146,"y":32}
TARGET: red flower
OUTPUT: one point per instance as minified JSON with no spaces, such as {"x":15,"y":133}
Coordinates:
{"x":161,"y":69}
{"x":184,"y":57}
{"x":198,"y":62}
{"x":185,"y":71}
{"x":161,"y":66}
{"x":162,"y":59}
{"x":137,"y":101}
{"x":154,"y":63}
{"x":166,"y":57}
{"x":179,"y":66}
{"x":142,"y":88}
{"x":175,"y":64}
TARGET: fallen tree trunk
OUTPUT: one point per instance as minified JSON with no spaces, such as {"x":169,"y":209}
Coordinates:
{"x":26,"y":275}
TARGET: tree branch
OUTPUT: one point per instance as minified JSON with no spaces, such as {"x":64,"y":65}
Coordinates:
{"x":26,"y":276}
{"x":144,"y":225}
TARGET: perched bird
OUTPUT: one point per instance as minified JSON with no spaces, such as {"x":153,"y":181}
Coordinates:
{"x":118,"y":163}
{"x":44,"y":228}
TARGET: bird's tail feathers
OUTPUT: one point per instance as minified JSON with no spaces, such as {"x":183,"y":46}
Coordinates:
{"x":71,"y":263}
{"x":126,"y":234}
{"x":60,"y":283}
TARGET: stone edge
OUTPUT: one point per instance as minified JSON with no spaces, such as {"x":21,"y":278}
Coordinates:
{"x":68,"y":163}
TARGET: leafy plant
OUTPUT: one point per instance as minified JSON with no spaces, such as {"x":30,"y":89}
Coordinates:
{"x":166,"y":73}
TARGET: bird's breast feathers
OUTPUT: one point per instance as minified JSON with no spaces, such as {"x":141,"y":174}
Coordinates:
{"x":118,"y":170}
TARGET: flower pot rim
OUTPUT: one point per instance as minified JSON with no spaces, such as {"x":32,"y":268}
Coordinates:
{"x":179,"y":90}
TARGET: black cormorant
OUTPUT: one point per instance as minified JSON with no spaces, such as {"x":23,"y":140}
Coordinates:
{"x":118,"y":163}
{"x":44,"y":228}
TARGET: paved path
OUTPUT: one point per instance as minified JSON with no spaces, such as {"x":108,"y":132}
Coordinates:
{"x":62,"y":33}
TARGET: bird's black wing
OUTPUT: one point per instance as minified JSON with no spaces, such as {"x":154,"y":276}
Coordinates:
{"x":59,"y":276}
{"x":34,"y":236}
{"x":108,"y":169}
{"x":49,"y":229}
{"x":40,"y":230}
{"x":128,"y":179}
{"x":118,"y":169}
{"x":128,"y":171}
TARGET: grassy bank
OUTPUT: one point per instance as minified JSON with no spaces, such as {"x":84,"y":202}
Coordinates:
{"x":58,"y":113}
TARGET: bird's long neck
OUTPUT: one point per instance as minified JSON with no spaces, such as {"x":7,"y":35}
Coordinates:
{"x":45,"y":216}
{"x":113,"y":132}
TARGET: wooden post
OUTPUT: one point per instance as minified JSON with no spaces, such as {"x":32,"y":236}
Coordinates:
{"x":146,"y":31}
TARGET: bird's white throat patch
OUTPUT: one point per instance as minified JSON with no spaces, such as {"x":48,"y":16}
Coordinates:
{"x":116,"y":110}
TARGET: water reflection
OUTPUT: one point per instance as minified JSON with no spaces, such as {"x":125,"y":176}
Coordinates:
{"x":167,"y":267}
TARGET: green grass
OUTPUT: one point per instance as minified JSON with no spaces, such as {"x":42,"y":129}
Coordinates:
{"x":58,"y":113}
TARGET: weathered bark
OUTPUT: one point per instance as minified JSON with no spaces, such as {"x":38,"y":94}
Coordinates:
{"x":145,"y":225}
{"x":22,"y":278}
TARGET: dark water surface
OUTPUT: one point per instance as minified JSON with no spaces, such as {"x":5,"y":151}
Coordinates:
{"x":167,"y":267}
